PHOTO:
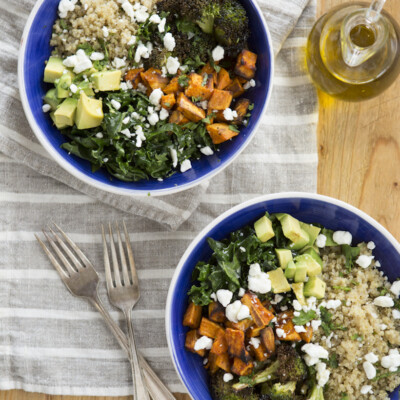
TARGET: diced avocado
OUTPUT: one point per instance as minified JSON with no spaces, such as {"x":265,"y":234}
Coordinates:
{"x":62,"y":86}
{"x":313,"y":253}
{"x":263,"y":228}
{"x":284,"y":256}
{"x":279,"y":216}
{"x":298,"y":289}
{"x":315,"y":287}
{"x":65,"y":113}
{"x":51,"y":99}
{"x":292,"y":230}
{"x":278,"y":280}
{"x":313,"y":231}
{"x":54,"y":69}
{"x":313,"y":267}
{"x":89,"y":113}
{"x":84,"y":86}
{"x":301,"y":272}
{"x":106,"y":80}
{"x":290,"y":270}
{"x":58,"y":126}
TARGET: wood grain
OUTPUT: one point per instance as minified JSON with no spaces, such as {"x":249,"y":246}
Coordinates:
{"x":359,"y":162}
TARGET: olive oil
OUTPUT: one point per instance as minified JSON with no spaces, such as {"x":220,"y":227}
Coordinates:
{"x":350,"y":58}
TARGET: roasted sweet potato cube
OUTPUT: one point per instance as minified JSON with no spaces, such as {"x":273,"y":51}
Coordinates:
{"x":178,"y":118}
{"x":222,"y":361}
{"x":241,"y":108}
{"x":192,"y":316}
{"x":209,"y":328}
{"x":242,"y":368}
{"x":268,"y":339}
{"x":189,"y":110}
{"x":307,"y":335}
{"x":220,"y":132}
{"x":216,"y":312}
{"x":246,"y":64}
{"x":242,"y":80}
{"x":172,"y":87}
{"x":223,"y":79}
{"x":200,"y":86}
{"x":191,"y":338}
{"x":168,"y":101}
{"x":242,"y":325}
{"x":208,"y":69}
{"x":253,"y":331}
{"x":153,"y":79}
{"x":219,"y":117}
{"x":284,"y":322}
{"x":267,"y":304}
{"x":133,"y":75}
{"x":220,"y":346}
{"x":236,"y":345}
{"x":220,"y":100}
{"x":236,"y":88}
{"x":260,"y":352}
{"x":212,"y":363}
{"x":261,"y":316}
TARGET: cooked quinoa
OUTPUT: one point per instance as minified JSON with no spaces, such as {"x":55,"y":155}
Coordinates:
{"x":93,"y":21}
{"x":369,"y":328}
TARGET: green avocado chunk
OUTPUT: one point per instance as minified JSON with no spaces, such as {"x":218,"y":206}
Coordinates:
{"x":313,"y":267}
{"x":301,"y":272}
{"x":284,"y":256}
{"x":292,"y":230}
{"x":313,"y":231}
{"x":298,"y":289}
{"x":51,"y":99}
{"x":263,"y":228}
{"x":62,"y":86}
{"x":278,"y":280}
{"x":53,"y":70}
{"x":89,"y":113}
{"x":65,"y":113}
{"x":106,"y":80}
{"x":315,"y":287}
{"x":290,"y":270}
{"x":313,"y":253}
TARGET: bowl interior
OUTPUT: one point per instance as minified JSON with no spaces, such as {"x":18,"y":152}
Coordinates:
{"x":38,"y":50}
{"x":190,"y":366}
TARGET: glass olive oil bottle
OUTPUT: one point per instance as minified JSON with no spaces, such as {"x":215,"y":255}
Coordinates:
{"x":352,"y":53}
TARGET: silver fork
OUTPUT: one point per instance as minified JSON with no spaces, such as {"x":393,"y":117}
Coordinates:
{"x":82,"y":281}
{"x":123,"y":292}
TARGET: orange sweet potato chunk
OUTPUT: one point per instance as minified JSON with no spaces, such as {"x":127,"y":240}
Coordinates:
{"x":242,"y":368}
{"x":268,"y":339}
{"x":216,"y":312}
{"x":192,"y":316}
{"x":222,"y":361}
{"x":133,"y":75}
{"x":168,"y":101}
{"x":153,"y":79}
{"x":223,"y":79}
{"x":246,"y":64}
{"x":177,"y":118}
{"x":284,"y":321}
{"x":241,"y":325}
{"x":241,"y":108}
{"x":220,"y":346}
{"x":209,"y":328}
{"x":191,"y":339}
{"x":236,"y":88}
{"x":260,"y":352}
{"x":220,"y":132}
{"x":200,"y":86}
{"x":189,"y":109}
{"x":236,"y":345}
{"x":261,"y":316}
{"x":307,"y":335}
{"x":208,"y":69}
{"x":220,"y":100}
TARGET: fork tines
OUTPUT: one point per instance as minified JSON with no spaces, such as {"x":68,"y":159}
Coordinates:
{"x":124,"y":277}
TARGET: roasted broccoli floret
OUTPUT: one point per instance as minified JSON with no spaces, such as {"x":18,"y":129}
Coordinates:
{"x":316,"y":393}
{"x":292,"y":366}
{"x":231,"y":27}
{"x":280,"y":391}
{"x":221,"y":390}
{"x":158,"y":57}
{"x":206,"y":16}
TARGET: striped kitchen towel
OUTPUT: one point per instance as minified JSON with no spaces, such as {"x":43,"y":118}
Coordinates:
{"x":54,"y":343}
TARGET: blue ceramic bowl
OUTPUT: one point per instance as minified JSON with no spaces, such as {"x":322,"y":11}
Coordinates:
{"x":333,"y":214}
{"x":35,"y":50}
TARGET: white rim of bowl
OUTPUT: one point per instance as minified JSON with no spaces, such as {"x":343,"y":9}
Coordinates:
{"x":259,"y":199}
{"x":103,"y":186}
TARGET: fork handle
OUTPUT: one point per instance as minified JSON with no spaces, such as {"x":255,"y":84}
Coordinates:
{"x":139,"y":388}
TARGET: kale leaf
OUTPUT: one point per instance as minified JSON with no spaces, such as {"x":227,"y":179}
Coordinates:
{"x":304,"y":317}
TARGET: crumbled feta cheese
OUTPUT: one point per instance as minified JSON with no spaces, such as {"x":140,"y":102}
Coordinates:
{"x":155,"y":97}
{"x":241,"y":292}
{"x":186,"y":165}
{"x":73,"y":88}
{"x":105,"y":31}
{"x":395,"y":288}
{"x":232,"y":310}
{"x":224,"y":296}
{"x":204,"y":343}
{"x":126,"y":120}
{"x":164,"y":114}
{"x":82,"y":62}
{"x":161,"y":25}
{"x":212,"y":295}
{"x":153,"y":119}
{"x":299,"y":328}
{"x":172,"y":65}
{"x":141,"y":51}
{"x":322,"y":374}
{"x":169,"y":41}
{"x":315,"y":351}
{"x":116,"y":104}
{"x":230,"y":114}
{"x":128,"y":8}
{"x":342,"y":237}
{"x":364,"y":261}
{"x":132,"y":40}
{"x":97,"y":56}
{"x":366,"y":389}
{"x":218,"y":53}
{"x":278,"y":298}
{"x":371,"y":357}
{"x":280,"y":333}
{"x":242,"y":249}
{"x":384,"y":301}
{"x":396,"y":314}
{"x":258,"y":281}
{"x":255,"y":342}
{"x":204,"y":104}
{"x":126,"y":132}
{"x":377,"y":264}
{"x":141,"y":14}
{"x":46,"y":108}
{"x":369,"y":369}
{"x":190,"y":35}
{"x":333,"y":304}
{"x":228,"y":377}
{"x":174,"y":156}
{"x":99,"y":135}
{"x":70,"y":62}
{"x":249,"y":84}
{"x":391,"y":361}
{"x":296,"y":305}
{"x":155,"y":19}
{"x":371,"y":245}
{"x":64,"y":6}
{"x":315,"y":324}
{"x":207,"y":151}
{"x":139,"y":136}
{"x":244,"y":313}
{"x":320,"y":241}
{"x":118,"y":62}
